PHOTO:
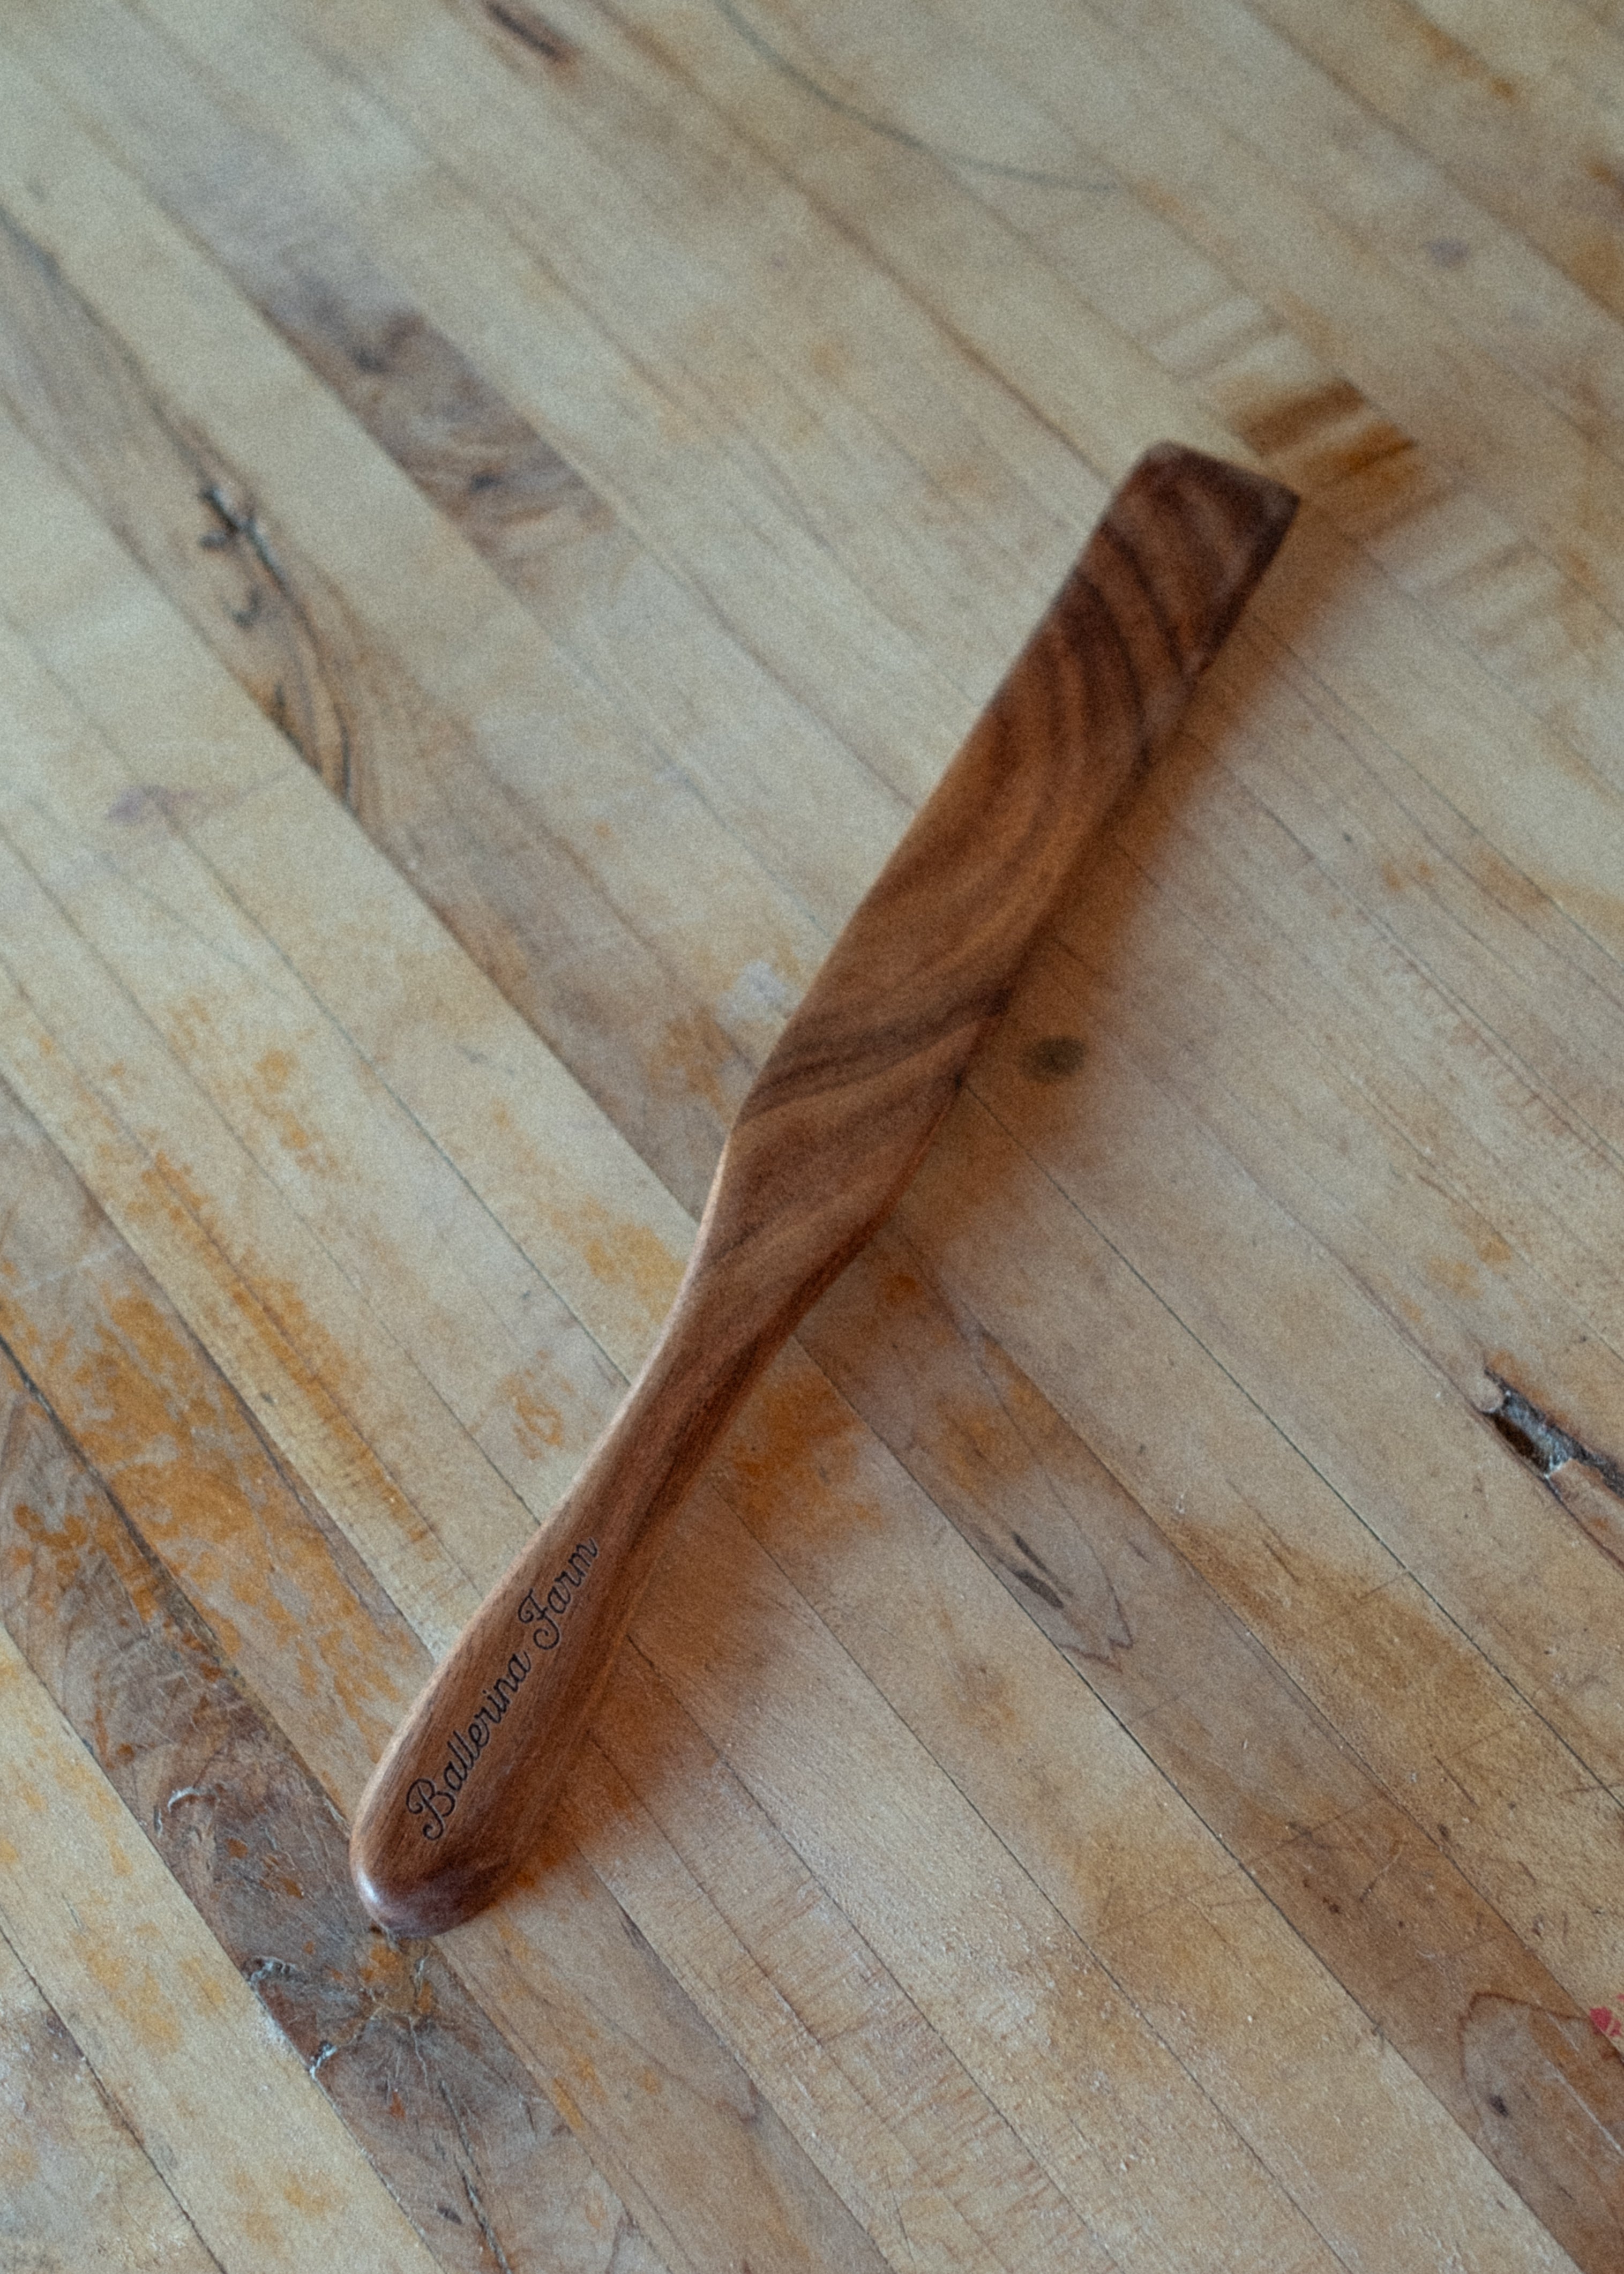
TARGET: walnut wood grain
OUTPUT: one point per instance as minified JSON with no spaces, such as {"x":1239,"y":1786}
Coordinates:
{"x":823,"y":1146}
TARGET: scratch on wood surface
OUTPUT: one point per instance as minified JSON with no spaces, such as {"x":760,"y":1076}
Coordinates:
{"x":79,"y":394}
{"x":534,"y":30}
{"x":1590,"y":1484}
{"x":1543,"y":1443}
{"x":809,"y":83}
{"x":242,"y":521}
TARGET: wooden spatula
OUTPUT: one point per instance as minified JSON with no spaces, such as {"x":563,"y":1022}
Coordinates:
{"x":829,"y":1134}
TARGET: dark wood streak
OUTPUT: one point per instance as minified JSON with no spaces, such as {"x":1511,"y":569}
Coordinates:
{"x":78,"y":394}
{"x":420,"y":399}
{"x":525,"y":25}
{"x":835,"y":1127}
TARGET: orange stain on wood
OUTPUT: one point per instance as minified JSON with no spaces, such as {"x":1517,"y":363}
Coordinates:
{"x":265,"y":1089}
{"x":62,"y":1540}
{"x":309,"y":2195}
{"x":163,"y":1428}
{"x":623,"y":1256}
{"x":206,"y":1989}
{"x":190,"y":1019}
{"x":1453,"y":1275}
{"x":273,"y":1072}
{"x":395,"y":1981}
{"x":262,"y":2228}
{"x":135,"y":1990}
{"x":99,"y":1803}
{"x":181,"y":1182}
{"x":831,"y":360}
{"x":320,"y":1365}
{"x":628,"y":1257}
{"x":692,"y":1048}
{"x":319,"y":1361}
{"x":316,"y":1359}
{"x":799,"y":1450}
{"x":537,"y":1425}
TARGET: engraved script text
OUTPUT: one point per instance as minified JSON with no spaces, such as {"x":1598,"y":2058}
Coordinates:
{"x":435,"y":1798}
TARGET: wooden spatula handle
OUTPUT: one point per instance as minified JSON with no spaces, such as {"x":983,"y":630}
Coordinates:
{"x":824,"y":1143}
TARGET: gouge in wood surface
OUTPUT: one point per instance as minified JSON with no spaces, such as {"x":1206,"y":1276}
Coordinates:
{"x":827,"y":1138}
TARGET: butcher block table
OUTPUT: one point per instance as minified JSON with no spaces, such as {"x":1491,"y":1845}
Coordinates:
{"x":506,"y":508}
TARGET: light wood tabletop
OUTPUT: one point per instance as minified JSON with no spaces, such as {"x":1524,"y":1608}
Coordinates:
{"x":507,"y":510}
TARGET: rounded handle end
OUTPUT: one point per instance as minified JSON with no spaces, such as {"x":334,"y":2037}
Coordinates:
{"x":425,"y":1905}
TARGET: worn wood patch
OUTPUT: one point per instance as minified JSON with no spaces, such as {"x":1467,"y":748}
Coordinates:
{"x":465,"y":2138}
{"x":251,"y":2148}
